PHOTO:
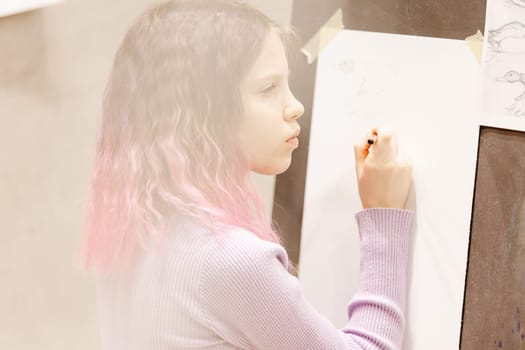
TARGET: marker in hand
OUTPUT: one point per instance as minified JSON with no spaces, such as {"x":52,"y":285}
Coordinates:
{"x":372,"y":139}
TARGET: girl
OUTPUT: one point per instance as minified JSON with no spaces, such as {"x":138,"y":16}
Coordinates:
{"x":198,"y":97}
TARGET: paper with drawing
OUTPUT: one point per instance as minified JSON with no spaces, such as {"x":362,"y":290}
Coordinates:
{"x":504,"y":65}
{"x":427,"y":91}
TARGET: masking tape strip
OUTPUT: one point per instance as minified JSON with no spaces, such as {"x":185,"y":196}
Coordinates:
{"x":323,"y":36}
{"x":475,"y":42}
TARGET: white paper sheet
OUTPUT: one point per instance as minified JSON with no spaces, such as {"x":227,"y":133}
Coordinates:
{"x":427,"y":91}
{"x":11,"y":7}
{"x":504,"y":65}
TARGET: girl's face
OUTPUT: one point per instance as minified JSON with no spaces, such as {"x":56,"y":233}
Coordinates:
{"x":270,"y":110}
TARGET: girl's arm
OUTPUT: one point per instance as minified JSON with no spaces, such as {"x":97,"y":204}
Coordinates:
{"x":251,"y":301}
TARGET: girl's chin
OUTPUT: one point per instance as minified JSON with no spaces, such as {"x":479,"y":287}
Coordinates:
{"x":277,"y":168}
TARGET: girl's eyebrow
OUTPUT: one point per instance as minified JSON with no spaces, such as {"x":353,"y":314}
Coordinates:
{"x":272,"y":76}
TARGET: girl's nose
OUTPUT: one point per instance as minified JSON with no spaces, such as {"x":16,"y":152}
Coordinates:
{"x":294,"y":108}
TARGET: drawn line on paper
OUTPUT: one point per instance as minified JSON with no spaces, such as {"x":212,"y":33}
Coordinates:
{"x":520,"y":3}
{"x":514,"y":30}
{"x":367,"y":87}
{"x":512,"y":77}
{"x":518,"y":107}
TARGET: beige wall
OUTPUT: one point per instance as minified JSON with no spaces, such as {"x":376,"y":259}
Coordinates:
{"x":53,"y":66}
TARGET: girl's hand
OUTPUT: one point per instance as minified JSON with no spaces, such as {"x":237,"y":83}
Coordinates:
{"x":383,"y":181}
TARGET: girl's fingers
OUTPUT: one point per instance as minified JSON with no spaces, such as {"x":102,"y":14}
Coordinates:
{"x":362,"y":149}
{"x":385,"y":147}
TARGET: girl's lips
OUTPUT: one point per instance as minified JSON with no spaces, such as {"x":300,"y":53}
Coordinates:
{"x":294,"y":141}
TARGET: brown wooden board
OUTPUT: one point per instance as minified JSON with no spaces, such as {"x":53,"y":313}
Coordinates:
{"x":494,"y":306}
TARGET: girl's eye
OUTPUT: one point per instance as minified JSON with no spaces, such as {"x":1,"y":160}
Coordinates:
{"x":269,"y":88}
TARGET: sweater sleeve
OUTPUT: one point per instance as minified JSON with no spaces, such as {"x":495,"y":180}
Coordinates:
{"x":251,"y":301}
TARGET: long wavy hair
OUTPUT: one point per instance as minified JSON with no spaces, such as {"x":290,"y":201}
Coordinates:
{"x":167,"y":144}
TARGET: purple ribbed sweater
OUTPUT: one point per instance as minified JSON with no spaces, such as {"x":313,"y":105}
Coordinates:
{"x":199,"y":291}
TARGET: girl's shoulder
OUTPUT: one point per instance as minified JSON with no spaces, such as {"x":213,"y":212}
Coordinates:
{"x":240,"y":252}
{"x":240,"y":244}
{"x":231,"y":246}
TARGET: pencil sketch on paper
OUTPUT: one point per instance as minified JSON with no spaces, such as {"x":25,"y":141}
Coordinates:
{"x":347,"y":66}
{"x":513,"y":77}
{"x":518,"y":107}
{"x":367,"y":86}
{"x":518,"y":2}
{"x":512,"y":30}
